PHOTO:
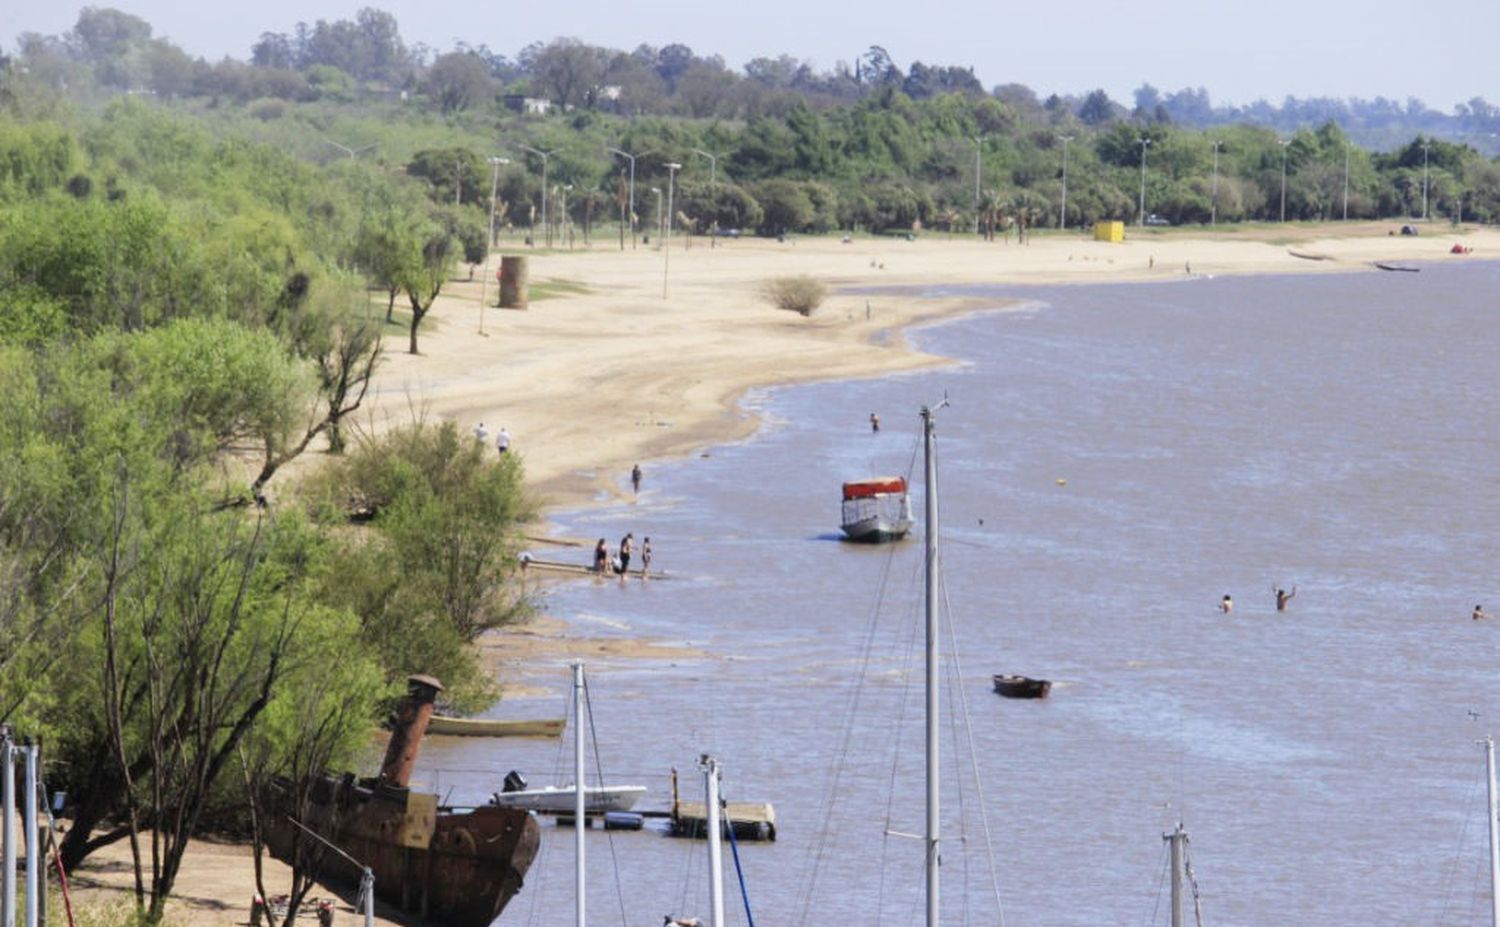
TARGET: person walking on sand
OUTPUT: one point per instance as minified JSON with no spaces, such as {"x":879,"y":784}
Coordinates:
{"x":601,"y":556}
{"x":502,"y":441}
{"x":1479,"y":613}
{"x":481,"y":433}
{"x":1283,"y":597}
{"x":645,"y":557}
{"x":874,"y":422}
{"x":625,"y":554}
{"x":1226,"y":604}
{"x":635,"y":479}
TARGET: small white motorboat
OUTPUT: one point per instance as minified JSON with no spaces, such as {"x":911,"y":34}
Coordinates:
{"x":553,"y":799}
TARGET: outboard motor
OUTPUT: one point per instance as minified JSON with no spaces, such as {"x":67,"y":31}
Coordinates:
{"x":514,"y":782}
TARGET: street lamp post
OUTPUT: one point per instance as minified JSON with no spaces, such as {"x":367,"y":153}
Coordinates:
{"x":1213,"y":202}
{"x":546,"y":223}
{"x":1347,"y":146}
{"x":1284,"y":143}
{"x":978,"y":148}
{"x":666,"y":248}
{"x":657,"y":191}
{"x":1062,"y":214}
{"x":1144,"y":143}
{"x":631,"y":158}
{"x":713,"y":163}
{"x":1425,"y":147}
{"x":484,"y":278}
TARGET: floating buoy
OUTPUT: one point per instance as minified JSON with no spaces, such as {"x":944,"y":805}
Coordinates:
{"x":1061,"y":481}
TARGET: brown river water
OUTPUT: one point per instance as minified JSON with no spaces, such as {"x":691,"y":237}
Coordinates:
{"x":1114,"y":460}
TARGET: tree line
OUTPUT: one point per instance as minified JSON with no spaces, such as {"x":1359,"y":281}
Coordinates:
{"x":868,"y":146}
{"x":181,"y":315}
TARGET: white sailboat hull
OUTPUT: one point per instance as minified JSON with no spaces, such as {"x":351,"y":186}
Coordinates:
{"x":561,"y":799}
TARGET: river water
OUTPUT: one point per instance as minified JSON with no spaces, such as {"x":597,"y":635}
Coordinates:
{"x":1113,"y":461}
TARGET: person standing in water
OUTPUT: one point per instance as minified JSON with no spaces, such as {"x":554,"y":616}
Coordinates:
{"x":635,"y":478}
{"x":1283,"y":597}
{"x":645,"y":557}
{"x":1479,"y":613}
{"x":625,"y":554}
{"x":874,"y":422}
{"x":1226,"y":604}
{"x":601,"y":556}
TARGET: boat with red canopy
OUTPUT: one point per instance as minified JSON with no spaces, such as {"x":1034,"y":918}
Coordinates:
{"x":876,"y":509}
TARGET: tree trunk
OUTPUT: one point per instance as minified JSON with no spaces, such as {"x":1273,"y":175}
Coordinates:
{"x":417,"y":312}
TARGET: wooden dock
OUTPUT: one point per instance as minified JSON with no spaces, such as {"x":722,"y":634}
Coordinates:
{"x":750,"y":820}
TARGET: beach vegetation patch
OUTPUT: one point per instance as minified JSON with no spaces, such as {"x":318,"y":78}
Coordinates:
{"x":801,"y":294}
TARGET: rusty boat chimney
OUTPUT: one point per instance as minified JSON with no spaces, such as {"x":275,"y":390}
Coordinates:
{"x":412,"y":716}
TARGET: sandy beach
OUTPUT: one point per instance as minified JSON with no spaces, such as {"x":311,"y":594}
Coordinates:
{"x":592,"y":382}
{"x":589,"y":384}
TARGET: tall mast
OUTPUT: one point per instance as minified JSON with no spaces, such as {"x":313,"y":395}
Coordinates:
{"x":930,"y":477}
{"x":1489,"y":762}
{"x":580,"y":822}
{"x":1176,"y":838}
{"x":715,"y":841}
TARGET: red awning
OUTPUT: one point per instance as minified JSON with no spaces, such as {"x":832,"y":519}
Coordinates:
{"x":875,"y":486}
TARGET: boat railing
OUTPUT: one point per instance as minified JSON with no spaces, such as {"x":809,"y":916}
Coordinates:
{"x":871,"y":507}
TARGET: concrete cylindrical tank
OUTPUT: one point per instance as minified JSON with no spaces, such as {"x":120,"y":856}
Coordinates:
{"x":513,"y":275}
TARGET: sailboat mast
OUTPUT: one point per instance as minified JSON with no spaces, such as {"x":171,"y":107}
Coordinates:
{"x":930,"y":477}
{"x":715,"y":841}
{"x":1176,"y":839}
{"x":580,"y":822}
{"x":1489,"y":762}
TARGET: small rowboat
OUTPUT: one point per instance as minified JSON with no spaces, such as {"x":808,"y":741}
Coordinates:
{"x":1387,"y":265}
{"x":1022,"y":686}
{"x":449,"y":726}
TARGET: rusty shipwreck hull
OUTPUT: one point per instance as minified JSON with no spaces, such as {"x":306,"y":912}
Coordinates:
{"x":454,"y":867}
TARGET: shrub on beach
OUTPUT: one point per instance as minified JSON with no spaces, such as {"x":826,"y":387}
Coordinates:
{"x":796,"y":294}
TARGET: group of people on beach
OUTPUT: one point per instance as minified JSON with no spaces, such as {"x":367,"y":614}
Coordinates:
{"x":1283,"y":598}
{"x":502,"y":440}
{"x":620,"y":562}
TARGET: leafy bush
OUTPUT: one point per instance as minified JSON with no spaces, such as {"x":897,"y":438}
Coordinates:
{"x":800,"y":294}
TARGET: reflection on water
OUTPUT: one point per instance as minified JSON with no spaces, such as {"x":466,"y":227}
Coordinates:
{"x":1115,"y":459}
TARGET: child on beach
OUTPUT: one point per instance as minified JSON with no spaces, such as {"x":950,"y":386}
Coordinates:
{"x":645,"y":557}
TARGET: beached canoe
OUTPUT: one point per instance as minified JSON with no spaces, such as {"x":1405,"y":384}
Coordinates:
{"x":449,"y":726}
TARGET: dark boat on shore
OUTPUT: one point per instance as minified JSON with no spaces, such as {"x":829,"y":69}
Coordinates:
{"x":1405,"y":268}
{"x":1022,"y":686}
{"x":456,"y":866}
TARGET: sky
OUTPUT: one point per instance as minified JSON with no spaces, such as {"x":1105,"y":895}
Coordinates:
{"x":1239,"y":50}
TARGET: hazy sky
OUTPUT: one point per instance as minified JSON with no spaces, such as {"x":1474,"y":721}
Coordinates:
{"x":1239,"y":50}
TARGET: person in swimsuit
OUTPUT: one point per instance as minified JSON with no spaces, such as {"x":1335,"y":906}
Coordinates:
{"x":601,"y":556}
{"x":645,"y":557}
{"x":625,"y":554}
{"x":1479,"y":613}
{"x":1226,"y":604}
{"x":1283,"y":597}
